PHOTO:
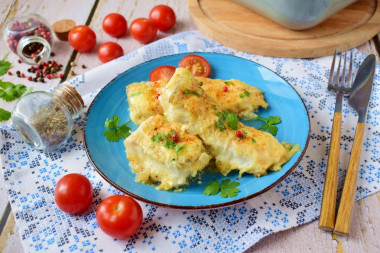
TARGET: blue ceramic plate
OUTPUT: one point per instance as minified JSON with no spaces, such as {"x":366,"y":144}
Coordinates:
{"x":110,"y":160}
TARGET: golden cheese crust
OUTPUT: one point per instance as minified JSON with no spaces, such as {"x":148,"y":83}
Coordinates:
{"x":231,"y":95}
{"x":197,"y":112}
{"x":157,"y":162}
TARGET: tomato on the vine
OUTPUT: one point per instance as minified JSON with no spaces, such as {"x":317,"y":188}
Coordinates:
{"x":73,"y":193}
{"x":109,"y":51}
{"x":161,"y":72}
{"x":119,"y":216}
{"x":115,"y":24}
{"x":198,"y":65}
{"x":143,"y":30}
{"x":163,"y":17}
{"x":82,"y":38}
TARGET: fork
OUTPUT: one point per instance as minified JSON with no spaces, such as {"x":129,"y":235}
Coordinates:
{"x":341,"y":85}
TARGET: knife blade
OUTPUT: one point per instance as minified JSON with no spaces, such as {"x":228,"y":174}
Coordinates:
{"x":358,"y":100}
{"x":362,"y":87}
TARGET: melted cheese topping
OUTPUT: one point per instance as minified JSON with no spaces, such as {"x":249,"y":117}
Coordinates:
{"x":197,"y":115}
{"x":143,"y":102}
{"x":153,"y":163}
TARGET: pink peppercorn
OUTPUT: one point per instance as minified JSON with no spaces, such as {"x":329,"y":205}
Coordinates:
{"x":30,"y":78}
{"x":175,"y":137}
{"x":225,"y":88}
{"x":158,"y":95}
{"x":239,"y":134}
{"x":9,"y":73}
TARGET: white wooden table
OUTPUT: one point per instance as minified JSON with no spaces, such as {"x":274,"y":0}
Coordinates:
{"x":308,"y":238}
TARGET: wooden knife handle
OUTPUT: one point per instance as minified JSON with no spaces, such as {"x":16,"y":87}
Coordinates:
{"x":328,"y":208}
{"x":344,"y":216}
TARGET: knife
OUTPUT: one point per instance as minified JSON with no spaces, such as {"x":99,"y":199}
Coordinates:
{"x":358,"y":99}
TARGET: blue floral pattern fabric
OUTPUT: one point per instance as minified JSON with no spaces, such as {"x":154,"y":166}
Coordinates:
{"x":30,"y":176}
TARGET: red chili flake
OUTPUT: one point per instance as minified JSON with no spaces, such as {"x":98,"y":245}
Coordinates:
{"x":158,"y":95}
{"x":9,"y":73}
{"x":225,"y":88}
{"x":175,"y":137}
{"x":239,"y":134}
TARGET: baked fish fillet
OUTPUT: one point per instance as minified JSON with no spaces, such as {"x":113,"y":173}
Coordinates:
{"x":231,"y":95}
{"x":186,"y":103}
{"x":157,"y":159}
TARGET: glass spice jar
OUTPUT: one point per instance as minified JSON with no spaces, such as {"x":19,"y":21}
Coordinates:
{"x":45,"y":119}
{"x":30,"y":37}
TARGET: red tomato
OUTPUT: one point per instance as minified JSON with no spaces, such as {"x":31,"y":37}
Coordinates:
{"x":198,"y":65}
{"x":161,"y":72}
{"x":73,"y":193}
{"x":82,"y":38}
{"x":143,"y":30}
{"x":115,"y":24}
{"x":119,"y":216}
{"x":163,"y":17}
{"x":109,"y":51}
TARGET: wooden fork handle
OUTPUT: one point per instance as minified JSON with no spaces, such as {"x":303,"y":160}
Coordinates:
{"x":328,"y":207}
{"x":344,"y":216}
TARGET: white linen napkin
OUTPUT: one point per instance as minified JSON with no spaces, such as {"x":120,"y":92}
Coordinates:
{"x":30,"y":176}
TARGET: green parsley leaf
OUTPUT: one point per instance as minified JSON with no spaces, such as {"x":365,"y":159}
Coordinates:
{"x":192,"y":92}
{"x":220,"y":123}
{"x":232,"y":120}
{"x":4,"y":67}
{"x":241,"y":96}
{"x":211,"y":188}
{"x":178,"y":148}
{"x":158,"y":137}
{"x":135,"y":94}
{"x":200,"y":83}
{"x":246,"y":92}
{"x":169,"y":143}
{"x":269,"y":124}
{"x":4,"y":115}
{"x":115,"y":132}
{"x":214,"y":107}
{"x":253,"y":140}
{"x":228,"y":189}
{"x":228,"y":82}
{"x":9,"y":91}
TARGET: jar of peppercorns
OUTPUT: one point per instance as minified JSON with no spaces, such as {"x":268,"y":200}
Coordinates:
{"x":30,"y":37}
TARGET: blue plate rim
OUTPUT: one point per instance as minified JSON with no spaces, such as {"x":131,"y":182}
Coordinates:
{"x":192,"y":207}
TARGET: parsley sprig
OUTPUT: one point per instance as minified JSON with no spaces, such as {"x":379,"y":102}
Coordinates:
{"x":10,"y":91}
{"x":168,"y":141}
{"x":192,"y":92}
{"x":231,"y":118}
{"x":269,"y":124}
{"x":115,"y":132}
{"x":4,"y":65}
{"x":227,"y":188}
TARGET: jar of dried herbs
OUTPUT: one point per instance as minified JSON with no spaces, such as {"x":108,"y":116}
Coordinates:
{"x":45,"y":119}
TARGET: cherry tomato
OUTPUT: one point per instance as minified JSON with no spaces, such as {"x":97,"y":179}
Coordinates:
{"x":161,"y":72}
{"x":198,"y":65}
{"x":82,"y":38}
{"x":143,"y":30}
{"x":163,"y":17}
{"x":115,"y":24}
{"x":119,"y":216}
{"x":73,"y":193}
{"x":109,"y":51}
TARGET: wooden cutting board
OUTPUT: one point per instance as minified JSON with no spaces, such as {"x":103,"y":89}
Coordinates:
{"x":238,"y":27}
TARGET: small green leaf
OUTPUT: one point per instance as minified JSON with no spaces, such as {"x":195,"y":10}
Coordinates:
{"x":228,"y":82}
{"x":4,"y":67}
{"x":211,"y":188}
{"x":4,"y":115}
{"x":135,"y":94}
{"x":269,"y":124}
{"x":10,"y":92}
{"x":253,"y":140}
{"x":192,"y":92}
{"x":214,"y":107}
{"x":241,"y":96}
{"x":232,"y":121}
{"x":246,"y":92}
{"x":158,"y":137}
{"x":228,"y":189}
{"x":115,"y":132}
{"x":178,"y":148}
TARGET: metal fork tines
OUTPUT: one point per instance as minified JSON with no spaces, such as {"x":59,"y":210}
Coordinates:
{"x":340,"y":83}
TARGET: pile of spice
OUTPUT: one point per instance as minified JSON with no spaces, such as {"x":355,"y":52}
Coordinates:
{"x":41,"y":71}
